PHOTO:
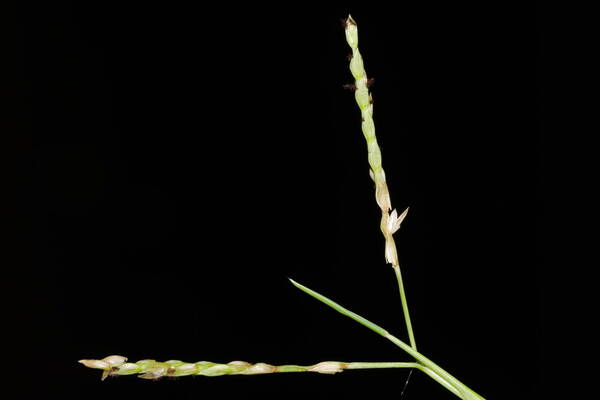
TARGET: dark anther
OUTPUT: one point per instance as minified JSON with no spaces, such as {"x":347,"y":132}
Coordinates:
{"x":350,"y":86}
{"x":343,"y":22}
{"x":370,"y":82}
{"x":349,"y":57}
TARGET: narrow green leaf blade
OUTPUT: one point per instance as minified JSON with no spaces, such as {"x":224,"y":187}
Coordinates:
{"x":340,"y":309}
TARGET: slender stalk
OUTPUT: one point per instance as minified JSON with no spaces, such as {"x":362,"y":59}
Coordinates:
{"x":390,"y":222}
{"x":411,"y":335}
{"x":151,"y":369}
{"x":465,"y":391}
{"x":374,"y":365}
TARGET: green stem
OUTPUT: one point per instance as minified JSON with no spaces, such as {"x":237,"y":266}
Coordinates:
{"x":464,"y":389}
{"x":465,"y":392}
{"x":433,"y":375}
{"x":151,"y":369}
{"x":411,"y":335}
{"x":372,"y":365}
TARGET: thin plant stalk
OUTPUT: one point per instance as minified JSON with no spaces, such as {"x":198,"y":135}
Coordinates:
{"x":390,"y":221}
{"x":411,"y":336}
{"x":151,"y":369}
{"x":113,"y":366}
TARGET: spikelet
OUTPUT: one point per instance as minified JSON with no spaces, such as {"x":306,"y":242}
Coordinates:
{"x":390,"y":223}
{"x":151,"y":369}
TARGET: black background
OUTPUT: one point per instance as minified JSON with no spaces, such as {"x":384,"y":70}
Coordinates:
{"x":182,"y":161}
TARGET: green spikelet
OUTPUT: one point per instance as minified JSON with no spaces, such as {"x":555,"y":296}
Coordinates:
{"x":151,"y":369}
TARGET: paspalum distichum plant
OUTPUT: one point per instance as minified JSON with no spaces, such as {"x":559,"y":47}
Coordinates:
{"x":390,"y":223}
